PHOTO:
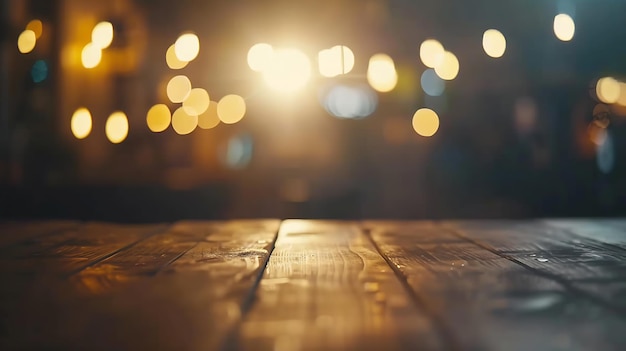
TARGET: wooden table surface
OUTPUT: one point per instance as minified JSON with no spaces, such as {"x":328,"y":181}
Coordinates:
{"x":314,"y":285}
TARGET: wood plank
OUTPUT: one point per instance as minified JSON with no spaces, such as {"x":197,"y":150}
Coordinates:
{"x":326,"y":287}
{"x":13,"y":232}
{"x":71,"y":250}
{"x":583,"y":256}
{"x":160,"y":299}
{"x":488,"y":301}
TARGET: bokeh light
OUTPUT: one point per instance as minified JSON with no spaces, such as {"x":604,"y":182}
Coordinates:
{"x":158,"y":118}
{"x":432,"y":84}
{"x":381,"y":73}
{"x":39,"y":71}
{"x":172,"y":61}
{"x":231,"y":109}
{"x":288,"y":71}
{"x":605,"y":154}
{"x":116,"y":127}
{"x":564,"y":27}
{"x":494,"y":43}
{"x":449,"y":67}
{"x":209,"y":119}
{"x":187,"y":47}
{"x":81,"y":123}
{"x":36,"y":26}
{"x":425,"y":122}
{"x":26,"y":41}
{"x":622,"y":94}
{"x":102,"y":35}
{"x":238,"y":151}
{"x":335,"y":61}
{"x":608,"y":90}
{"x":91,"y":56}
{"x":196,"y":102}
{"x":350,"y":101}
{"x":431,"y":53}
{"x":183,"y":123}
{"x":259,"y":56}
{"x":178,"y":88}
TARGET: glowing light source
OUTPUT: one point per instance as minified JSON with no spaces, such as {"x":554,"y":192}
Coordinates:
{"x":26,"y":41}
{"x":178,"y":88}
{"x":381,"y":73}
{"x":494,"y":43}
{"x":36,"y":26}
{"x":102,"y":35}
{"x":425,"y":122}
{"x":91,"y":56}
{"x":39,"y":71}
{"x":431,"y":53}
{"x":183,"y":123}
{"x":158,"y":118}
{"x":80,"y":123}
{"x":187,"y":47}
{"x":608,"y":90}
{"x":209,"y":119}
{"x":335,"y":61}
{"x":564,"y":27}
{"x":172,"y":61}
{"x":116,"y":127}
{"x":288,"y":71}
{"x":350,"y":102}
{"x":259,"y":56}
{"x":231,"y":109}
{"x":622,"y":94}
{"x":449,"y":67}
{"x":432,"y":84}
{"x":196,"y":102}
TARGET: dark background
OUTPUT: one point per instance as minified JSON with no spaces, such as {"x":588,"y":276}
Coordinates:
{"x":304,"y":162}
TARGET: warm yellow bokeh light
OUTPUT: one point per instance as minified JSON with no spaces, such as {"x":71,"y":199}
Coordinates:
{"x":102,"y":35}
{"x":381,"y":73}
{"x":449,"y":68}
{"x":187,"y":47}
{"x":494,"y":43}
{"x":622,"y":94}
{"x":288,"y":71}
{"x":335,"y":61}
{"x":178,"y":89}
{"x":425,"y":122}
{"x":608,"y":90}
{"x":116,"y":127}
{"x":196,"y":102}
{"x":431,"y":53}
{"x":81,"y":123}
{"x":564,"y":27}
{"x":231,"y":109}
{"x":209,"y":119}
{"x":183,"y":123}
{"x":26,"y":41}
{"x":91,"y":56}
{"x":259,"y":56}
{"x":172,"y":61}
{"x":158,"y":118}
{"x":36,"y":26}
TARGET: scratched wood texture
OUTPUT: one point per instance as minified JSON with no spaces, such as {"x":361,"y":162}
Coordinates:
{"x":327,"y":288}
{"x":314,"y":285}
{"x":181,"y":286}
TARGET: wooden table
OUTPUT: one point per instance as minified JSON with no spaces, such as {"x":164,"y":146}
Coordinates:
{"x":314,"y":285}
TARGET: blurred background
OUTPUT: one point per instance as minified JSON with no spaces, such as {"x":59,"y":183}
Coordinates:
{"x":153,"y":110}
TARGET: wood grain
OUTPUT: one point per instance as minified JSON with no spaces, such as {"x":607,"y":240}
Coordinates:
{"x":326,"y":288}
{"x":488,"y":301}
{"x":181,"y":289}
